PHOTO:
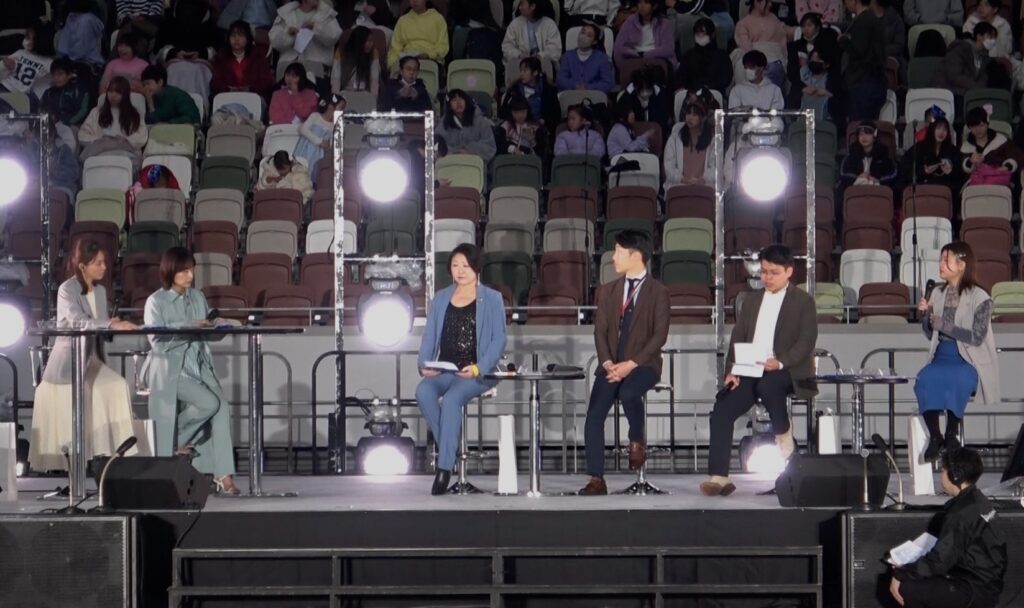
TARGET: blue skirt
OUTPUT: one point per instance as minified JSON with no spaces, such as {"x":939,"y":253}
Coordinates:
{"x":947,"y":382}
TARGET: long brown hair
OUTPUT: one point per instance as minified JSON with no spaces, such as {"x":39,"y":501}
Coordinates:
{"x":85,"y":252}
{"x":129,"y":117}
{"x":963,"y":252}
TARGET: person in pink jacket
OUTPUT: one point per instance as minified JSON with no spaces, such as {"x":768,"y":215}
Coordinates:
{"x":761,"y":25}
{"x":649,"y":34}
{"x":295,"y":99}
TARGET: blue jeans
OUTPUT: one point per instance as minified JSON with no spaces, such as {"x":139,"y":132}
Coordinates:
{"x":441,"y":399}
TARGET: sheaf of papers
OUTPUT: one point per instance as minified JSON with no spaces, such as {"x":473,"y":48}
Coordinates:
{"x":302,"y":39}
{"x":911,"y":551}
{"x":748,"y":360}
{"x":441,"y":366}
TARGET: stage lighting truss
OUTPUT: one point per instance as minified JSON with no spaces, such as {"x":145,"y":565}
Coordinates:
{"x":764,"y":167}
{"x":386,"y":314}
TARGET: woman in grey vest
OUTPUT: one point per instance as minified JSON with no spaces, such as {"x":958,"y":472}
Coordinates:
{"x":962,"y":357}
{"x":81,"y":302}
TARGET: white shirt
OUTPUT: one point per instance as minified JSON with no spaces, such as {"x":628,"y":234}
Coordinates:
{"x":636,"y":289}
{"x":646,"y":39}
{"x":765,"y":95}
{"x":767,"y":319}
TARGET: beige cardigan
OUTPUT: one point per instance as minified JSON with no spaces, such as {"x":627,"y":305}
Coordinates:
{"x":982,"y":357}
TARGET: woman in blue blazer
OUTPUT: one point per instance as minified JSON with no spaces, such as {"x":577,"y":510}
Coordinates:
{"x":465,"y":327}
{"x":186,"y":401}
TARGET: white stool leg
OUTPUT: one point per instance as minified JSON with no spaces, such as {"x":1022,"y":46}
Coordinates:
{"x":462,"y":485}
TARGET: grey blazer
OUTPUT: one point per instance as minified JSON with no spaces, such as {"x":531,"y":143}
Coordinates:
{"x":73,"y":308}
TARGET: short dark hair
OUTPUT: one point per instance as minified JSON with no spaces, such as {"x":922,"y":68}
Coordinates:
{"x":473,"y":254}
{"x":704,"y":25}
{"x":756,"y":59}
{"x":636,"y":241}
{"x":963,"y":465}
{"x":281,"y":159}
{"x":814,"y":18}
{"x":777,"y":253}
{"x":174,"y":261}
{"x":407,"y":59}
{"x":984,"y":28}
{"x":976,"y":116}
{"x":996,"y":4}
{"x":62,"y":64}
{"x":154,"y":72}
{"x":532,"y":63}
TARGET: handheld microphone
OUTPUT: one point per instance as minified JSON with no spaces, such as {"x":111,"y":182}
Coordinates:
{"x":866,"y":504}
{"x":210,"y":316}
{"x":929,"y":287}
{"x":126,"y":445}
{"x":880,"y":443}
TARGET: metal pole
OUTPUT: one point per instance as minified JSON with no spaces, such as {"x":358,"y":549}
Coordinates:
{"x":534,"y":438}
{"x":718,"y":315}
{"x":339,"y":278}
{"x":79,"y":358}
{"x":255,"y":416}
{"x":858,"y":418}
{"x":812,"y":201}
{"x":44,"y":210}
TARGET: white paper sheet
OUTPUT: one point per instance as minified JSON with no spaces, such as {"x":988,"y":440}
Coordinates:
{"x":302,"y":39}
{"x":911,"y":551}
{"x":748,"y":360}
{"x":441,"y":366}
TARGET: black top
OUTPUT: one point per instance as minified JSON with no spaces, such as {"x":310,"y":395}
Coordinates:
{"x":969,"y":552}
{"x":458,"y":335}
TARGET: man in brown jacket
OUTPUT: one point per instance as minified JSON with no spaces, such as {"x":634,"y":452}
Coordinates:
{"x":780,"y":320}
{"x":965,"y":65}
{"x":630,"y":330}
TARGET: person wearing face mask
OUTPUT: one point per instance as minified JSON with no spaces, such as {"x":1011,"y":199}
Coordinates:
{"x":987,"y":11}
{"x":957,"y":320}
{"x":967,"y":566}
{"x":762,"y":30}
{"x":757,"y":92}
{"x":966,"y":64}
{"x":705,"y":64}
{"x":587,"y":67}
{"x":812,"y":34}
{"x":815,"y":79}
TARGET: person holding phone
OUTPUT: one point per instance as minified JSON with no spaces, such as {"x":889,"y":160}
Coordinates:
{"x":465,"y":328}
{"x":935,"y":159}
{"x":957,"y":320}
{"x":779,"y":320}
{"x":186,"y":402}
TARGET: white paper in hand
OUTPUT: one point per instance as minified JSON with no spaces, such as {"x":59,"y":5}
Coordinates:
{"x":748,"y":360}
{"x":911,"y":551}
{"x":302,"y":39}
{"x":441,"y":366}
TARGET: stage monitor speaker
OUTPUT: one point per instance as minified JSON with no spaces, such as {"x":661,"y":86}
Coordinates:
{"x":169,"y":482}
{"x":832,"y":480}
{"x":868,"y":536}
{"x":53,"y":561}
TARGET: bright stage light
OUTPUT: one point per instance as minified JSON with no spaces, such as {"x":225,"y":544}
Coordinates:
{"x":382,"y":178}
{"x":13,"y":180}
{"x":385,"y":460}
{"x":766,"y":459}
{"x":764,"y":174}
{"x":12,"y":324}
{"x":385,"y":316}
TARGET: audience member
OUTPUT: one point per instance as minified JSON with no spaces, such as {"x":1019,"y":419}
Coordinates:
{"x":166,"y":103}
{"x":599,"y":12}
{"x":81,"y":38}
{"x":114,"y":127}
{"x":421,"y":32}
{"x":306,"y":31}
{"x":315,"y":133}
{"x":25,"y":70}
{"x":406,"y":92}
{"x":869,"y":162}
{"x":761,"y":25}
{"x":587,"y":67}
{"x":989,"y":157}
{"x":142,"y":18}
{"x":67,"y":100}
{"x":465,"y":129}
{"x":966,"y":64}
{"x":651,"y":98}
{"x":357,"y":65}
{"x":579,"y":137}
{"x":258,"y":14}
{"x":523,"y":133}
{"x":757,"y":91}
{"x":281,"y":171}
{"x":816,"y":93}
{"x":829,"y":11}
{"x":689,"y":151}
{"x":933,"y":12}
{"x":239,"y":67}
{"x":294,"y":100}
{"x":533,"y":33}
{"x":705,"y":64}
{"x":988,"y":11}
{"x":622,"y":138}
{"x":812,"y":35}
{"x":374,"y":14}
{"x":538,"y":93}
{"x":864,"y":74}
{"x":935,"y":159}
{"x":895,"y":29}
{"x":125,"y":64}
{"x":649,"y":34}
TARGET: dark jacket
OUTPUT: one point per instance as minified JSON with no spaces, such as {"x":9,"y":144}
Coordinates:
{"x":257,"y":76}
{"x":827,"y":43}
{"x":864,"y":48}
{"x":69,"y":104}
{"x":173,"y":106}
{"x":969,"y":552}
{"x":958,"y":73}
{"x":705,"y":67}
{"x":389,"y":98}
{"x":796,"y":333}
{"x":923,"y":154}
{"x":882,"y":166}
{"x":545,"y":98}
{"x":648,"y":330}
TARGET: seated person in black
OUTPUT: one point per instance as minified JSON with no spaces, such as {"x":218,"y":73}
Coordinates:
{"x":966,"y":567}
{"x":406,"y":93}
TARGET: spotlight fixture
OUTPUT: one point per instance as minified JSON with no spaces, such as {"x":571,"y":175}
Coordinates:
{"x":386,"y":313}
{"x":12,"y":324}
{"x":383,"y":171}
{"x":763,"y":166}
{"x":384,"y":456}
{"x":13,"y":180}
{"x":758,"y":451}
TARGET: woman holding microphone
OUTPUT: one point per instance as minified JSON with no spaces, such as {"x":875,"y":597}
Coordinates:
{"x":957,"y":318}
{"x":466,"y":329}
{"x":179,"y":369}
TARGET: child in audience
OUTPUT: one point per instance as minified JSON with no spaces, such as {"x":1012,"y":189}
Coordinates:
{"x":125,"y":64}
{"x":294,"y":100}
{"x":281,"y":171}
{"x":316,"y":132}
{"x":869,"y":162}
{"x":67,"y":100}
{"x":579,"y":138}
{"x":621,"y":137}
{"x":23,"y":70}
{"x":523,"y":134}
{"x":114,"y":126}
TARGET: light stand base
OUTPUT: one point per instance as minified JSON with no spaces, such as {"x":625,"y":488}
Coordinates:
{"x":464,"y":488}
{"x":71,"y":510}
{"x":642,"y":488}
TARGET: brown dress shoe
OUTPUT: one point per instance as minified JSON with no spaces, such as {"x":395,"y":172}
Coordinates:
{"x":595,"y":487}
{"x":710,"y":488}
{"x":637,"y":454}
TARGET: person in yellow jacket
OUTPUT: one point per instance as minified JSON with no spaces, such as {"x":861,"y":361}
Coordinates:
{"x":422,"y":32}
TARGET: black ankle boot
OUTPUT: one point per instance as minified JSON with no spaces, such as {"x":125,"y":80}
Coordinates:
{"x":441,"y":480}
{"x":931,"y":453}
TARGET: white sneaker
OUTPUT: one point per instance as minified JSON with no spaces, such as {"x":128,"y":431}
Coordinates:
{"x":785,"y":442}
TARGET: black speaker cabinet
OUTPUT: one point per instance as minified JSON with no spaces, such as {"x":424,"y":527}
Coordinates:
{"x":868,"y":536}
{"x":835,"y":480}
{"x":53,"y":561}
{"x":155,"y":483}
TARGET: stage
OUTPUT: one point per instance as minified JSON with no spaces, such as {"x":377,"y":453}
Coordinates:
{"x":396,"y":539}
